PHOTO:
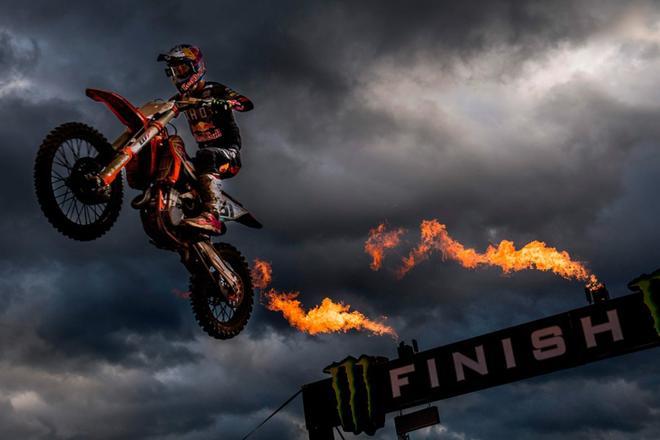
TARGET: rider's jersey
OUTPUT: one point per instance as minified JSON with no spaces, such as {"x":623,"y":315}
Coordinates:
{"x":213,"y":126}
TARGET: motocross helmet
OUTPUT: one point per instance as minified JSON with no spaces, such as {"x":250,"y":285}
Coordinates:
{"x":185,"y":65}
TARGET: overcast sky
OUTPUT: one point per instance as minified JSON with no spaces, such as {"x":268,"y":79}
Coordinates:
{"x":516,"y":120}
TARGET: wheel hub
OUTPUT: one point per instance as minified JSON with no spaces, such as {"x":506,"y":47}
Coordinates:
{"x":226,"y":295}
{"x":235,"y":298}
{"x":84,"y":182}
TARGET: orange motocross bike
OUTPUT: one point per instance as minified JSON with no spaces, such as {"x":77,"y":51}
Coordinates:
{"x":78,"y":183}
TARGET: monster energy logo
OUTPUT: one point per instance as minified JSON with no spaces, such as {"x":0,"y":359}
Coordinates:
{"x":358,"y":400}
{"x":650,"y":287}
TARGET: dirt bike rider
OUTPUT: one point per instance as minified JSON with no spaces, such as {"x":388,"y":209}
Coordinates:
{"x":213,"y":127}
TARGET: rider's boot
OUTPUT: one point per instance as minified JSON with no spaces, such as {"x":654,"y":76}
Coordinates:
{"x":209,"y":219}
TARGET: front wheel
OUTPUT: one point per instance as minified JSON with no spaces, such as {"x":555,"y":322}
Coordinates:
{"x":221,"y":317}
{"x":67,"y":157}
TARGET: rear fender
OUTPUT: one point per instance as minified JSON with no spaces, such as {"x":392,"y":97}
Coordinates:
{"x":232,"y":210}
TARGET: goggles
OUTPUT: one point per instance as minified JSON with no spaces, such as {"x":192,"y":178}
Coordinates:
{"x":179,"y":70}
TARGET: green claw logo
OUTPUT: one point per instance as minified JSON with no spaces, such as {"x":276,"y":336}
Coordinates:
{"x":650,"y":287}
{"x":358,"y":401}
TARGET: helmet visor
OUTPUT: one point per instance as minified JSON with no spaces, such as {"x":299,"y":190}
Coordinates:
{"x":179,"y":71}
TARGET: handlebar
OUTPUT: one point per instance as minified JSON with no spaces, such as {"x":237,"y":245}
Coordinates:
{"x":191,"y":102}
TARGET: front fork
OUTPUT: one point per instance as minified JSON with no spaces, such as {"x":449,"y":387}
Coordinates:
{"x":133,"y":147}
{"x":220,"y":272}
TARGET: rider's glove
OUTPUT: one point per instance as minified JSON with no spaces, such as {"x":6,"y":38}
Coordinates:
{"x":220,"y":103}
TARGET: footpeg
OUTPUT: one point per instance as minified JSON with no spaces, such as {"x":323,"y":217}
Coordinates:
{"x":141,"y":199}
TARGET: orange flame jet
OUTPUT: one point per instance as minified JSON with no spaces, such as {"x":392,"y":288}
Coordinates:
{"x":534,"y":255}
{"x":327,"y":317}
{"x":261,"y":274}
{"x":379,"y":241}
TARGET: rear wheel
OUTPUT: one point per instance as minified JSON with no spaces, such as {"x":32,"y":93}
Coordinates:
{"x":72,"y":202}
{"x":221,"y":317}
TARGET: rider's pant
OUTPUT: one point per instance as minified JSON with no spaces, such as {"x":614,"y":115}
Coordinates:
{"x":222,"y":161}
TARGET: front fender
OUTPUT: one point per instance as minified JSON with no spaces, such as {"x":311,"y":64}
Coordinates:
{"x":124,"y":110}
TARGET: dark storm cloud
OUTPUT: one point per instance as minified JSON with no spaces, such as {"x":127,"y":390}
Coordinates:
{"x":365,"y":111}
{"x":16,"y":57}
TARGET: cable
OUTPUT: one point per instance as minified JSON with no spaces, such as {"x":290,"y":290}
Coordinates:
{"x":274,"y":412}
{"x":340,"y":434}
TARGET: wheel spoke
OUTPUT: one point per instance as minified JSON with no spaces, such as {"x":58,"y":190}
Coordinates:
{"x":219,"y":310}
{"x":62,"y":154}
{"x":75,"y":214}
{"x":63,"y":185}
{"x":71,"y":206}
{"x":72,"y":150}
{"x":91,"y":213}
{"x":58,"y":175}
{"x":71,"y":203}
{"x":95,"y":208}
{"x":62,"y":164}
{"x":85,"y":214}
{"x":224,"y":311}
{"x":78,"y":211}
{"x":66,"y":192}
{"x":78,"y":141}
{"x":67,"y":200}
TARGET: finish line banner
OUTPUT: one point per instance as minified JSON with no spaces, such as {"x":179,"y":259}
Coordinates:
{"x":611,"y":328}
